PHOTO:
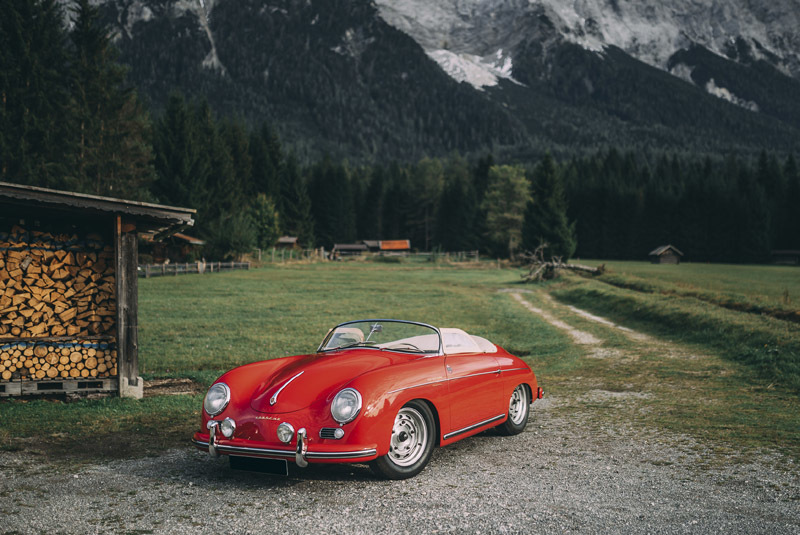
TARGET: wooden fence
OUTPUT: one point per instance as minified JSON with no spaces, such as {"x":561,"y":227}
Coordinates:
{"x":160,"y":270}
{"x":286,"y":255}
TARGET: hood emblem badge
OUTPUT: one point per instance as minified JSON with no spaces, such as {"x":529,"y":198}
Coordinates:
{"x":274,"y":398}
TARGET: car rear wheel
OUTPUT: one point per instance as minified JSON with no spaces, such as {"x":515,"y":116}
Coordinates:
{"x":412,"y":441}
{"x":518,"y":408}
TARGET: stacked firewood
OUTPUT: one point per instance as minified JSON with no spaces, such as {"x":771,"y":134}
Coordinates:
{"x":56,"y":303}
{"x":55,"y":285}
{"x":72,"y":360}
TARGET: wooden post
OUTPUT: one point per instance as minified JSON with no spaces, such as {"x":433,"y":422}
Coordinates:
{"x":147,"y":271}
{"x":126,"y":246}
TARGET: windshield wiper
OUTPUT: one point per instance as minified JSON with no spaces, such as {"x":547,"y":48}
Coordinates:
{"x":353,"y":344}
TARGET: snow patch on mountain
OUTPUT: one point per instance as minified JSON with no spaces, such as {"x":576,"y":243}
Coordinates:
{"x":477,"y":71}
{"x":713,"y":89}
{"x":682,"y":71}
{"x":649,"y":30}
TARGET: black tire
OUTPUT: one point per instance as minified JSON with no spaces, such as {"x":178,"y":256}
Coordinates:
{"x":412,"y":442}
{"x":519,"y":406}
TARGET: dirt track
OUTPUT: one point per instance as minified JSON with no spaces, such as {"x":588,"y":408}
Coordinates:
{"x":564,"y":474}
{"x":568,"y":472}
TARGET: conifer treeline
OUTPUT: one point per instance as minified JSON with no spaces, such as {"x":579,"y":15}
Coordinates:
{"x":68,"y":121}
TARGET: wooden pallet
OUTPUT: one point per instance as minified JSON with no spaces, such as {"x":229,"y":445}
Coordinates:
{"x":68,"y":386}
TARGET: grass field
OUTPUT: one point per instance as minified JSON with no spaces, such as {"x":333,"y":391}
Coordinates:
{"x":196,"y":327}
{"x":762,"y":289}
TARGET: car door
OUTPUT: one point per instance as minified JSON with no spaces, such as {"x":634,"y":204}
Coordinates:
{"x":474,"y":390}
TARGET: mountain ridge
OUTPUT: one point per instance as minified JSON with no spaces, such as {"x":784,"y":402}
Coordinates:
{"x":364,"y":80}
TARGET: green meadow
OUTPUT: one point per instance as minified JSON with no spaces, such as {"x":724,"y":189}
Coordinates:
{"x":727,"y":378}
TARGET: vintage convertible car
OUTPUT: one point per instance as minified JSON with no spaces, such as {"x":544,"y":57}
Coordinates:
{"x":379,"y":391}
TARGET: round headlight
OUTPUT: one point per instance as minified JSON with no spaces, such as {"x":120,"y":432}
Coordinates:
{"x":346,"y":405}
{"x":285,"y":432}
{"x":217,"y":399}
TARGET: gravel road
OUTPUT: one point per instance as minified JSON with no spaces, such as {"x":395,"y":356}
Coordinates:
{"x":564,"y":474}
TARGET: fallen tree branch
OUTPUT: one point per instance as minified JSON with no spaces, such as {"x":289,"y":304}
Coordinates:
{"x":539,"y":269}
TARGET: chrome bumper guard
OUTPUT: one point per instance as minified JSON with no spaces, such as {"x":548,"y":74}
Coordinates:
{"x":300,"y":454}
{"x":302,"y":448}
{"x":212,"y":438}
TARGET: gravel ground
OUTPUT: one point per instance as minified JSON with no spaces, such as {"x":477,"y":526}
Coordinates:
{"x":563,"y":474}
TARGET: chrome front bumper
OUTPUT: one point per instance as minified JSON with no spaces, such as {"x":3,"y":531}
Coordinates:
{"x":300,"y":454}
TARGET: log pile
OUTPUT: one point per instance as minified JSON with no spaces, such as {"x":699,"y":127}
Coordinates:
{"x":54,"y":285}
{"x":540,"y":269}
{"x":57,"y":306}
{"x":42,"y":361}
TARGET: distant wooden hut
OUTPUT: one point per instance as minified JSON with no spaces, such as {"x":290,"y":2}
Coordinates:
{"x":373,"y":245}
{"x":348,"y":249}
{"x":287,"y":242}
{"x":395,"y":246}
{"x":666,"y":254}
{"x":176,"y":248}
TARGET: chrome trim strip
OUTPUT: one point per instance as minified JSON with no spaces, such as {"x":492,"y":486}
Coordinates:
{"x":290,"y":453}
{"x":274,"y":398}
{"x":415,"y":386}
{"x":474,"y":426}
{"x":342,"y":454}
{"x":515,"y":369}
{"x":445,"y":380}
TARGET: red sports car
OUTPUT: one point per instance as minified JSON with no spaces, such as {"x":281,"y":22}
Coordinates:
{"x":379,"y":391}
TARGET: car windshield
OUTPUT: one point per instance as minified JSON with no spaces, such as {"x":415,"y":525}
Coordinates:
{"x":394,"y":335}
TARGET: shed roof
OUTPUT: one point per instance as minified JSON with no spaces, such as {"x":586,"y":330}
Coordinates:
{"x":191,"y":240}
{"x":149,"y":217}
{"x":349,"y":247}
{"x":658,"y":251}
{"x":395,"y":245}
{"x":290,"y":240}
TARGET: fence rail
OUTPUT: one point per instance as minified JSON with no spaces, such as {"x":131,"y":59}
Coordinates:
{"x":160,"y":270}
{"x":275,"y":255}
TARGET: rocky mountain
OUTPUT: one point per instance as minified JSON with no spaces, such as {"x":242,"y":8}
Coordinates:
{"x":407,"y":78}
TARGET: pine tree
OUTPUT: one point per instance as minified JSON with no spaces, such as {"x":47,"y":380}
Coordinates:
{"x":546,"y":213}
{"x":789,"y":237}
{"x":295,"y":204}
{"x":458,"y":208}
{"x":265,"y":220}
{"x":35,"y":119}
{"x":113,"y":154}
{"x":507,"y":196}
{"x":266,"y":156}
{"x":182,"y":162}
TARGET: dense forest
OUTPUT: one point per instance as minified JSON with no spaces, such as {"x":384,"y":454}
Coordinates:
{"x":68,"y":120}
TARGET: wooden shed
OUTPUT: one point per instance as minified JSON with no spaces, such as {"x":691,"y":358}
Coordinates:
{"x":348,"y":249}
{"x":68,"y":289}
{"x":287,"y":242}
{"x":666,"y":254}
{"x":395,"y":246}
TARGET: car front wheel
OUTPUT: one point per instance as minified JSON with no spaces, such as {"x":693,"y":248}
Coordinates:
{"x":412,"y":441}
{"x":518,"y":407}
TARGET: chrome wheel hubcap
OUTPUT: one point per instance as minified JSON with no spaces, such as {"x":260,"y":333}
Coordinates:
{"x":517,"y":406}
{"x":409,"y":437}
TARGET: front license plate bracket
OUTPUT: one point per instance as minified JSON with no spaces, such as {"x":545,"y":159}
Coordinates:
{"x":276,"y":467}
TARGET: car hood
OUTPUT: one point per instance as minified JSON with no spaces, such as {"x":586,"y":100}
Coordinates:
{"x":311,"y":377}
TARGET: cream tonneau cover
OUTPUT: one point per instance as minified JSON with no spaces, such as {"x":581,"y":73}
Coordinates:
{"x":455,"y":341}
